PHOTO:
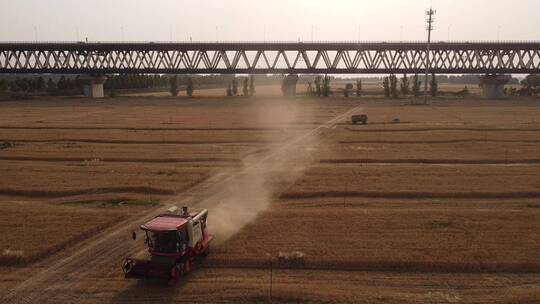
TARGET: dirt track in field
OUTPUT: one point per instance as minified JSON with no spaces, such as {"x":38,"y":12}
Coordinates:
{"x":66,"y":278}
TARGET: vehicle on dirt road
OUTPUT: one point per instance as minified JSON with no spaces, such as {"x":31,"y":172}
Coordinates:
{"x":176,"y":243}
{"x":363,"y":119}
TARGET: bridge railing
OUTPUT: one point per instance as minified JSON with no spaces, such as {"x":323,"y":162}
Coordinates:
{"x":274,"y":42}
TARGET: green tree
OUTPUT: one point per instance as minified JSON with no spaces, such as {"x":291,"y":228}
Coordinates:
{"x":245,"y":87}
{"x":32,"y":84}
{"x":79,"y":83}
{"x":531,"y":84}
{"x":284,"y":86}
{"x":310,"y":90}
{"x":532,"y":80}
{"x":13,"y":86}
{"x":61,"y":85}
{"x":434,"y":86}
{"x":326,"y":86}
{"x":359,"y":87}
{"x":3,"y":85}
{"x":251,"y":85}
{"x":405,"y":85}
{"x":348,"y":89}
{"x":386,"y":86}
{"x":318,"y":86}
{"x":189,"y":87}
{"x":234,"y":86}
{"x":416,"y":86}
{"x":112,"y":91}
{"x":173,"y":85}
{"x":22,"y":84}
{"x":51,"y":87}
{"x":393,"y":86}
{"x":40,"y":84}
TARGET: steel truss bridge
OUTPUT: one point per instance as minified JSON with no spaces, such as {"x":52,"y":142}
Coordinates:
{"x":270,"y":58}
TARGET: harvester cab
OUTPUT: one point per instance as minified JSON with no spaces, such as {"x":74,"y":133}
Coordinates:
{"x":176,"y":241}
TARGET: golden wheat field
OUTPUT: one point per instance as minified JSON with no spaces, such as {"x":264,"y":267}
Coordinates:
{"x":440,"y":207}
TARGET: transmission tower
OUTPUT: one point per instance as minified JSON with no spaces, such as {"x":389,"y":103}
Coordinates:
{"x":430,"y":20}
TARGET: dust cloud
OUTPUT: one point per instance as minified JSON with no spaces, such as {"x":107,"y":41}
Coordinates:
{"x":248,"y":193}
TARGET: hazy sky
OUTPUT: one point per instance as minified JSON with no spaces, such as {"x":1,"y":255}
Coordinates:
{"x":211,"y":20}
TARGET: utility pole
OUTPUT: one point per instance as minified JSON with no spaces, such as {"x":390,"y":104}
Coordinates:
{"x":271,"y":260}
{"x":430,"y":13}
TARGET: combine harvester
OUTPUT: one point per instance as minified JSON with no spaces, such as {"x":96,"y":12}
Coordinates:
{"x":176,"y":241}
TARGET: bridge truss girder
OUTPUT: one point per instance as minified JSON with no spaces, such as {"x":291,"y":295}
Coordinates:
{"x":268,"y":58}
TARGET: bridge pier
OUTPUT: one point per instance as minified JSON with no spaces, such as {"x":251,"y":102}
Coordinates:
{"x":93,"y":87}
{"x":492,"y":86}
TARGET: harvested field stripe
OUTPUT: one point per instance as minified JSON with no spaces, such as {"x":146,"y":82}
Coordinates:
{"x":452,"y":141}
{"x":60,"y":246}
{"x":120,"y":160}
{"x":383,"y":266}
{"x":443,"y":129}
{"x":105,"y":190}
{"x":433,"y":161}
{"x":412,"y":195}
{"x":142,"y":129}
{"x":139,"y":142}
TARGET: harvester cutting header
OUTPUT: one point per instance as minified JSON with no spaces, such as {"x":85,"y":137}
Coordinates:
{"x":175,"y":242}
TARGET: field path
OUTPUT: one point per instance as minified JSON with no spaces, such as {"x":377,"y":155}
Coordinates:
{"x":64,"y":116}
{"x":81,"y":273}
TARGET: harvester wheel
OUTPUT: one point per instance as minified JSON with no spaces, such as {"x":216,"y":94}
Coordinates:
{"x":127,"y":266}
{"x":176,"y":272}
{"x":187,"y":266}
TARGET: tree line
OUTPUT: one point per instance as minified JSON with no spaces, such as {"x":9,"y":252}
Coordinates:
{"x":392,"y":87}
{"x":319,"y":86}
{"x":41,"y":85}
{"x":530,"y":86}
{"x":248,"y":86}
{"x":410,"y":87}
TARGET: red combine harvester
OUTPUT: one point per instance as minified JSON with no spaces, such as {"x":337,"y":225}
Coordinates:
{"x":175,"y":242}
